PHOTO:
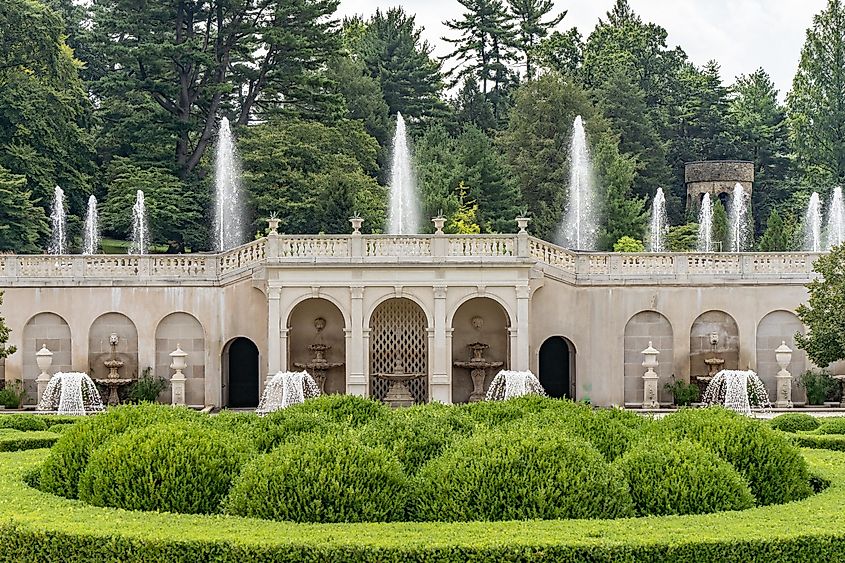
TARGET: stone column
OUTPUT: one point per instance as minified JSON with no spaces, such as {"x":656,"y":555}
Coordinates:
{"x":357,"y":346}
{"x":440,"y":384}
{"x":274,"y":335}
{"x":520,"y":353}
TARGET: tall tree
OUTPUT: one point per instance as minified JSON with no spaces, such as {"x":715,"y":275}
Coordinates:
{"x":816,"y":104}
{"x":531,"y":27}
{"x":561,"y":52}
{"x":472,"y":108}
{"x":824,"y":312}
{"x":22,"y":222}
{"x":776,"y":238}
{"x":363,"y":96}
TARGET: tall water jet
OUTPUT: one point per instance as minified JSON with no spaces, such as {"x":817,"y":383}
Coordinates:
{"x":705,"y":225}
{"x":739,"y":220}
{"x":579,"y":229}
{"x":228,"y":207}
{"x":91,"y":234}
{"x":813,"y":224}
{"x":140,"y":230}
{"x":659,"y":228}
{"x":835,"y":220}
{"x":403,"y":215}
{"x":58,"y":221}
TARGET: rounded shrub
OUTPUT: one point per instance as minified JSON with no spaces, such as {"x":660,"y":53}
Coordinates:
{"x":23,"y":422}
{"x":179,"y":467}
{"x":794,"y":422}
{"x":349,"y":410}
{"x":287,"y":425}
{"x":510,"y":474}
{"x":773,"y":467}
{"x":681,"y":478}
{"x":337,"y":479}
{"x":496,"y":413}
{"x":832,"y":426}
{"x":67,"y":460}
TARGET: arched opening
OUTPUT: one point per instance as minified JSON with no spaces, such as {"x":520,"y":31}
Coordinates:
{"x":714,"y":344}
{"x":240,"y":374}
{"x":557,"y":367}
{"x":480,"y":328}
{"x":775,"y":328}
{"x":183,"y":330}
{"x":399,"y":343}
{"x":44,"y":329}
{"x":317,"y":343}
{"x":642,"y":328}
{"x":126,"y":349}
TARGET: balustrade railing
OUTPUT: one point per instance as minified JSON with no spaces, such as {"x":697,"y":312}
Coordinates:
{"x":377,"y":246}
{"x":482,"y":245}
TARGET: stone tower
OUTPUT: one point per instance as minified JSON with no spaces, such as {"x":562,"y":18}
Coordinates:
{"x":717,"y":178}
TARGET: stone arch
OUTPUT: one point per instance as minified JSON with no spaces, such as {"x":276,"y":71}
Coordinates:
{"x":302,"y":323}
{"x":557,"y":367}
{"x":450,"y":320}
{"x":774,"y":328}
{"x":725,"y":328}
{"x":368,"y":319}
{"x":240,"y":373}
{"x":347,"y":319}
{"x":491,"y":329}
{"x":126,"y":350}
{"x":184,"y":330}
{"x":53,"y":331}
{"x":399,"y":335}
{"x":642,"y":328}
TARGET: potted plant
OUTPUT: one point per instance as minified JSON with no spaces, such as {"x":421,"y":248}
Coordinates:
{"x":683,"y":393}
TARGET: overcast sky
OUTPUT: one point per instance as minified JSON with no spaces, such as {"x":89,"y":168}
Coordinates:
{"x":742,"y":35}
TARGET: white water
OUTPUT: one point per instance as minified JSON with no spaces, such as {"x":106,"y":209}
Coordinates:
{"x":91,"y":229}
{"x":140,"y":229}
{"x":835,"y":220}
{"x":71,"y":393}
{"x":659,"y":226}
{"x":739,"y":225}
{"x":285,"y":389}
{"x":737,"y":390}
{"x":509,"y":384}
{"x":813,"y":225}
{"x":403,"y":215}
{"x":579,"y":229}
{"x":58,"y":221}
{"x":228,"y":207}
{"x":705,"y":225}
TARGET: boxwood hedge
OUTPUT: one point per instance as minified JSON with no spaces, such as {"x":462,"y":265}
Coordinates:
{"x":14,"y":440}
{"x":794,"y":421}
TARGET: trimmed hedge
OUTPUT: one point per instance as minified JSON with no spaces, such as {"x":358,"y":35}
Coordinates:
{"x":832,"y":426}
{"x":349,"y":410}
{"x":287,"y":425}
{"x":509,"y":474}
{"x":15,"y":440}
{"x":23,"y":422}
{"x":335,"y":480}
{"x":794,"y":421}
{"x":682,"y":478}
{"x":832,"y":442}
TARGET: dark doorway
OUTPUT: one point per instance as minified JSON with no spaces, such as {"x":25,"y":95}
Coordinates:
{"x":555,"y":368}
{"x":241,"y":363}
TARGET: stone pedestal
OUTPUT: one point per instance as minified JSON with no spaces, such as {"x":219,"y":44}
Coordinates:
{"x":783,"y":355}
{"x":44,"y":359}
{"x":650,"y":390}
{"x":177,"y":382}
{"x":398,"y":395}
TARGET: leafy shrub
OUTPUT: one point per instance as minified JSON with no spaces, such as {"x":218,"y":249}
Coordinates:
{"x":337,"y":479}
{"x":24,"y":422}
{"x":52,"y":419}
{"x":773,"y":467}
{"x":682,"y":478}
{"x":794,"y":421}
{"x":818,"y":385}
{"x":12,"y":395}
{"x":173,"y":467}
{"x":508,"y":474}
{"x":496,"y":413}
{"x":831,"y":426}
{"x":683,"y":393}
{"x":604,"y":429}
{"x":15,"y":440}
{"x":287,"y":425}
{"x":147,"y":388}
{"x":349,"y":410}
{"x":68,"y":458}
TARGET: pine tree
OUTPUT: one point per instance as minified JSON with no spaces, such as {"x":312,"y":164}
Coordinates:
{"x":23,"y":224}
{"x":464,"y":221}
{"x":720,"y":225}
{"x":622,"y":214}
{"x":471,"y":107}
{"x":777,"y":237}
{"x":531,"y":29}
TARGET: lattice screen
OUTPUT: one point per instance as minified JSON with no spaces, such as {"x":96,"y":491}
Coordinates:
{"x":399,"y":333}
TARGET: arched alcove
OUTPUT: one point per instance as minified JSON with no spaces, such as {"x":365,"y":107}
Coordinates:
{"x":716,"y":325}
{"x":775,"y":328}
{"x":642,"y":328}
{"x":184,"y":330}
{"x":478,"y":320}
{"x":399,"y":339}
{"x":240,"y":373}
{"x":99,"y":349}
{"x":557,"y":367}
{"x":318,"y":322}
{"x":44,"y":329}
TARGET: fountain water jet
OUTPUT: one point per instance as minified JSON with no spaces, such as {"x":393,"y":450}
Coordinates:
{"x":705,"y":225}
{"x":579,"y":229}
{"x":509,"y":384}
{"x":71,"y":393}
{"x":285,"y":389}
{"x":228,"y":207}
{"x":659,"y":226}
{"x":91,"y":234}
{"x":403,"y":215}
{"x":140,"y":230}
{"x":58,"y":220}
{"x":836,"y":220}
{"x":813,"y":224}
{"x":737,"y":390}
{"x":739,"y":220}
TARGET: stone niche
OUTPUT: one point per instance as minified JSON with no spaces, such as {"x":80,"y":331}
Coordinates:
{"x":642,"y":328}
{"x":44,"y":329}
{"x":774,"y":328}
{"x":303,"y":333}
{"x":725,"y":329}
{"x":480,"y":319}
{"x":99,"y":349}
{"x":717,"y":178}
{"x":184,"y":330}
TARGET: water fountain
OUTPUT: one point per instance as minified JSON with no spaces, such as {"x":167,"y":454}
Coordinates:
{"x":705,"y":225}
{"x":478,"y":367}
{"x":835,"y":220}
{"x":739,"y":225}
{"x":319,"y":366}
{"x":659,"y":226}
{"x":228,"y":207}
{"x":579,"y":229}
{"x":738,"y":390}
{"x":140,"y":230}
{"x":91,"y":229}
{"x":509,"y":384}
{"x":398,"y":393}
{"x":58,"y":221}
{"x":285,"y":389}
{"x":113,"y":382}
{"x":71,"y":393}
{"x":813,"y":224}
{"x":403,"y":215}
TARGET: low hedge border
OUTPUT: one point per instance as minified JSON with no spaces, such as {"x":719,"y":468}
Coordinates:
{"x":15,"y":440}
{"x":834,"y":442}
{"x":36,"y":526}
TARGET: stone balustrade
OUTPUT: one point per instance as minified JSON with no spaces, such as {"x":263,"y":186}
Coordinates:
{"x":279,"y":250}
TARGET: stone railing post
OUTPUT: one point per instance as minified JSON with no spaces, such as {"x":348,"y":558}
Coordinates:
{"x":522,"y":246}
{"x":77,"y":267}
{"x":145,"y":265}
{"x":12,"y":266}
{"x":272,"y":250}
{"x":439,"y":242}
{"x":356,"y":241}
